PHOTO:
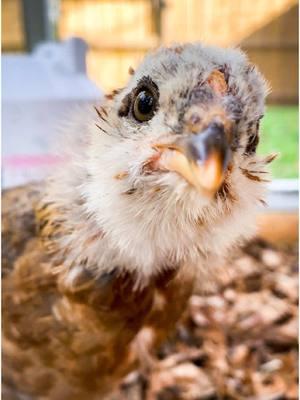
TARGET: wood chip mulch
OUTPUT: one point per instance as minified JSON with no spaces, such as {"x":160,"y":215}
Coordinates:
{"x":240,"y":342}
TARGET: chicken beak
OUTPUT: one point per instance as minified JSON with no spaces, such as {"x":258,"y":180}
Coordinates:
{"x":202,"y":159}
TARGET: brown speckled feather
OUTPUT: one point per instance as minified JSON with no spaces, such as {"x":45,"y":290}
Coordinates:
{"x":70,"y":343}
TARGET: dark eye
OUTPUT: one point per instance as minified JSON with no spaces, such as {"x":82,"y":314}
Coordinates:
{"x":144,"y":106}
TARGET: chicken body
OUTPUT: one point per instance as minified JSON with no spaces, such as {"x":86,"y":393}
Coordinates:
{"x":73,"y":343}
{"x":99,"y":261}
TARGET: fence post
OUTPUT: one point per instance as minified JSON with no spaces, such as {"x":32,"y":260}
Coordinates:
{"x":40,"y":18}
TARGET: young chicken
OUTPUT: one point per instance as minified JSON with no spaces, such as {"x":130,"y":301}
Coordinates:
{"x":159,"y":184}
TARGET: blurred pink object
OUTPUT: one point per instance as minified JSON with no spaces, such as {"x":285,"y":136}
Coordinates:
{"x":22,"y":168}
{"x":30,"y":161}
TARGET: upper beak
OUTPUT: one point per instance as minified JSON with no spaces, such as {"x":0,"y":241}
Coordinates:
{"x":202,"y":158}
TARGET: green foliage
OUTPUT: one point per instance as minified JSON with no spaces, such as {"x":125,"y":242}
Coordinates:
{"x":279,"y":133}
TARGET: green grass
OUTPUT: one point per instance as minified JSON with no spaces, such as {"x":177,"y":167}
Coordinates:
{"x":279,"y":133}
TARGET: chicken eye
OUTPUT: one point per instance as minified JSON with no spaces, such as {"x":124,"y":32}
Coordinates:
{"x":144,"y":106}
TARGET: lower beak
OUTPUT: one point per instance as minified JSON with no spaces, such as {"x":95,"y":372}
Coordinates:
{"x":202,"y":159}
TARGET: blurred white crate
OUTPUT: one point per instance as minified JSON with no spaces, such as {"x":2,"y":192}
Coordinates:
{"x":38,"y":92}
{"x":283,"y":195}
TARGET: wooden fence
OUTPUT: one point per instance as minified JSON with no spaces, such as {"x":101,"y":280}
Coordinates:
{"x":119,"y":32}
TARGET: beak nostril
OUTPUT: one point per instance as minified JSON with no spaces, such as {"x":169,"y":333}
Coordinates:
{"x":193,"y":122}
{"x":195,"y":119}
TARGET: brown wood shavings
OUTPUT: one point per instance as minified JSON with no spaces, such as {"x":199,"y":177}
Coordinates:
{"x":238,"y":343}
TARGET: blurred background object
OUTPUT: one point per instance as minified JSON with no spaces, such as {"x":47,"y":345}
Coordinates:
{"x":39,"y":92}
{"x":119,"y":33}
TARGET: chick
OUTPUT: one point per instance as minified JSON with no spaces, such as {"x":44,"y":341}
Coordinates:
{"x":158,"y":186}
